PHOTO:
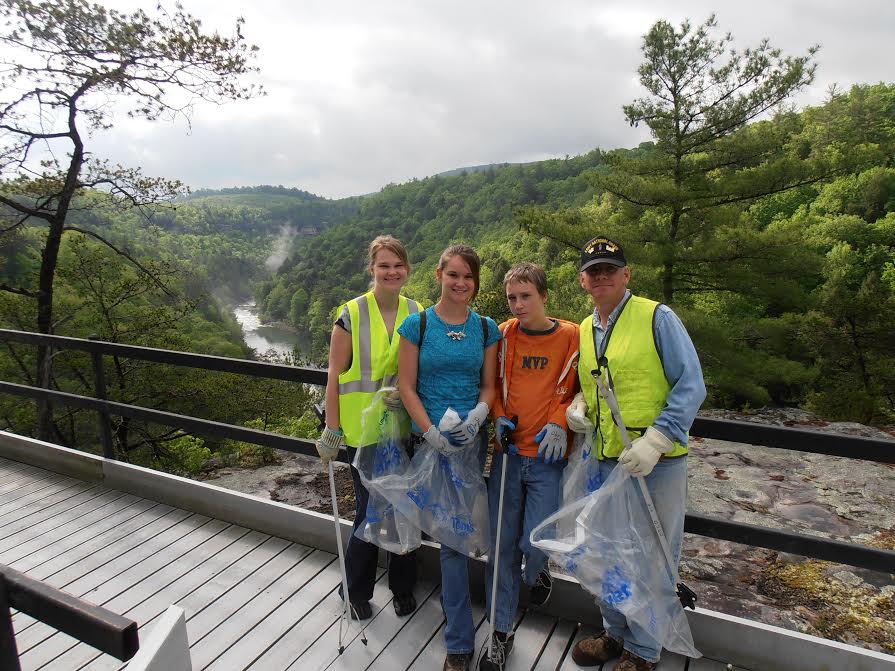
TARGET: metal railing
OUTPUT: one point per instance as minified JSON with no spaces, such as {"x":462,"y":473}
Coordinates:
{"x":96,"y":626}
{"x":850,"y":447}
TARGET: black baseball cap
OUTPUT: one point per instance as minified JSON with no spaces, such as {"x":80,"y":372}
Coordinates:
{"x":602,"y":250}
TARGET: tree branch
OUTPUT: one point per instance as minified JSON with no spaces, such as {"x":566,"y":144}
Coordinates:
{"x":126,"y":255}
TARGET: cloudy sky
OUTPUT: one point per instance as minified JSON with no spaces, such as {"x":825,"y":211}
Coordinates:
{"x":366,"y":92}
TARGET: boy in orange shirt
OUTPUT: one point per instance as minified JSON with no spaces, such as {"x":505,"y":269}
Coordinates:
{"x":537,"y":380}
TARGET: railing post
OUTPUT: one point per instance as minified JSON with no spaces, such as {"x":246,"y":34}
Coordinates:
{"x":105,"y":420}
{"x":9,"y":654}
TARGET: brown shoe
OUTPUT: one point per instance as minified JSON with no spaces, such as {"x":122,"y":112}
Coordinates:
{"x":596,"y":650}
{"x":457,"y":662}
{"x":631,"y":662}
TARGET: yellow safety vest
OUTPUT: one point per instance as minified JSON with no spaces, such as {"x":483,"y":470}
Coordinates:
{"x":374,"y":364}
{"x":637,"y":374}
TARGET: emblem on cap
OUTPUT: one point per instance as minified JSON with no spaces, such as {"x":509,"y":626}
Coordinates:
{"x":601,"y":245}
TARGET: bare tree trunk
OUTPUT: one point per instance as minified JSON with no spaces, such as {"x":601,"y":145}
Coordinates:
{"x":49,"y":260}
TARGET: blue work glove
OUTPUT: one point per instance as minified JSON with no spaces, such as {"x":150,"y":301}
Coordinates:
{"x":552,"y":442}
{"x":469,"y":429}
{"x":504,"y":426}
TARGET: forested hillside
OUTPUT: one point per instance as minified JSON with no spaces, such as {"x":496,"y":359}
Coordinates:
{"x":179,"y":269}
{"x":782,"y":263}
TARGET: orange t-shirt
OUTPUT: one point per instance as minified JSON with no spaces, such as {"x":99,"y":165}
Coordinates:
{"x":535,"y":392}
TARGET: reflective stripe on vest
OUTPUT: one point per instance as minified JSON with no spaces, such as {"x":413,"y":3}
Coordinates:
{"x":637,"y":374}
{"x":374,"y":364}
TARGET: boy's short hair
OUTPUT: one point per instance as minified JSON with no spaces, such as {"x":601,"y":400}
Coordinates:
{"x":527,"y":272}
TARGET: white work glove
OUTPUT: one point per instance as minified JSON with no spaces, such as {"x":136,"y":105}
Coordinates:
{"x":641,"y":458}
{"x":469,"y":429}
{"x":392,"y":401}
{"x":329,"y":444}
{"x":440,"y":441}
{"x":552,"y":441}
{"x":576,"y":415}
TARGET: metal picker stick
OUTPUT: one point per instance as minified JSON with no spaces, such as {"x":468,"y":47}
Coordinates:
{"x":346,"y":606}
{"x":607,"y":391}
{"x":505,"y":444}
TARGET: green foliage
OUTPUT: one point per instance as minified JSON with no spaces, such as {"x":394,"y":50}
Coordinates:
{"x":426,"y":215}
{"x":188,"y":455}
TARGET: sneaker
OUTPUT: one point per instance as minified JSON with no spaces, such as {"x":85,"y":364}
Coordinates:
{"x":361,"y":610}
{"x":631,"y":662}
{"x":539,"y":593}
{"x":458,"y":662}
{"x":404,"y":604}
{"x":501,"y":646}
{"x":596,"y":650}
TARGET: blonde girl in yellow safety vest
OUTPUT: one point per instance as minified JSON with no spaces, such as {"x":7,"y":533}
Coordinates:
{"x":363,"y":357}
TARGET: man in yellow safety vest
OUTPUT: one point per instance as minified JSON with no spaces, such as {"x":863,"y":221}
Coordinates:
{"x":658,"y":382}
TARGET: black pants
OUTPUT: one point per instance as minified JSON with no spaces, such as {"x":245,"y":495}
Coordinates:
{"x":361,"y":557}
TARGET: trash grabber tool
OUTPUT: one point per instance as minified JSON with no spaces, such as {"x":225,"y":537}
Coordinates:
{"x":607,"y":390}
{"x":346,"y":606}
{"x":505,"y":440}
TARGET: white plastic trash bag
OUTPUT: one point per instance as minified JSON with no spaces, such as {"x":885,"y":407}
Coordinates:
{"x":607,"y":541}
{"x":384,"y":526}
{"x":443,"y":495}
{"x":581,"y":476}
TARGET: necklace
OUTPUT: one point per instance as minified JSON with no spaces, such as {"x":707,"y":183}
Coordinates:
{"x":459,"y":335}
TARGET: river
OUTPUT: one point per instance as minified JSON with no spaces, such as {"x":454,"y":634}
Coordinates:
{"x":274,"y":343}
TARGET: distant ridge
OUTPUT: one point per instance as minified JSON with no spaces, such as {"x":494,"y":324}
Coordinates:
{"x":262,"y":189}
{"x":475,"y":168}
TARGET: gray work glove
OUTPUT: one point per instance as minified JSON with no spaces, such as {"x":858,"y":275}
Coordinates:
{"x":440,"y":441}
{"x":469,"y":429}
{"x":552,"y":442}
{"x":392,"y":401}
{"x":329,"y":444}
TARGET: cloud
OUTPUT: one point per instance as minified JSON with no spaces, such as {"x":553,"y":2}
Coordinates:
{"x":362,"y":94}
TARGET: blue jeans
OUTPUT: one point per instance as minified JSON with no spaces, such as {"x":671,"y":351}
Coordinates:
{"x":667,"y":484}
{"x":532,"y":493}
{"x":459,"y":629}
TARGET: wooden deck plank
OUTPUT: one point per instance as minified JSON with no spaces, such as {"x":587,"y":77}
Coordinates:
{"x":432,"y":656}
{"x":671,"y":661}
{"x":91,"y":540}
{"x":531,"y":635}
{"x":325,"y":649}
{"x":189,"y":565}
{"x":10,"y":476}
{"x":143,"y":567}
{"x":248,"y":587}
{"x":706,"y":664}
{"x":35,"y":502}
{"x":233,"y":568}
{"x":424,"y":624}
{"x":55,"y":528}
{"x":380,"y":633}
{"x":205,"y":650}
{"x":283,"y":618}
{"x":9,"y":479}
{"x":558,"y":646}
{"x":33,"y":489}
{"x":101,"y":566}
{"x":567,"y":663}
{"x":305,"y":633}
{"x":34,"y":516}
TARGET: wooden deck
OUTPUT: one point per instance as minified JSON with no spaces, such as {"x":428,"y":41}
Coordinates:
{"x":252,"y":601}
